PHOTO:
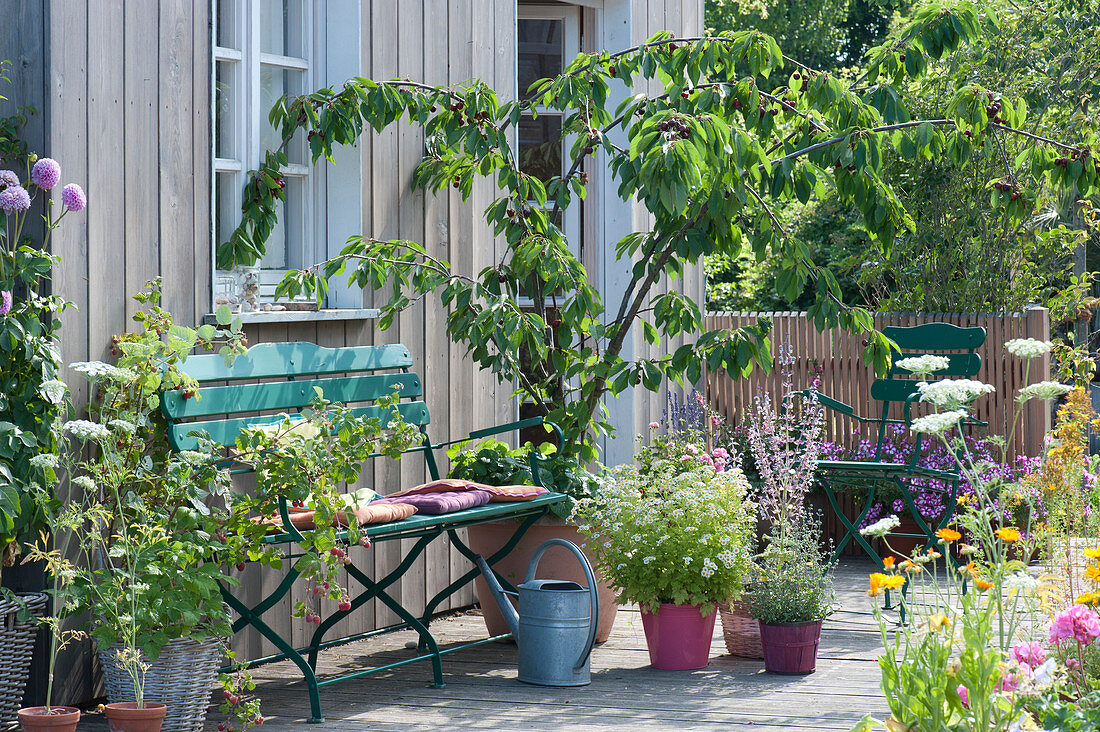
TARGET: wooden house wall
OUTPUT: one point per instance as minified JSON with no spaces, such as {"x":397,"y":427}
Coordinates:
{"x":127,"y":91}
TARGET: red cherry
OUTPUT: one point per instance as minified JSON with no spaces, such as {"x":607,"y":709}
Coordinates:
{"x":344,"y":606}
{"x":240,"y":566}
{"x":225,"y":693}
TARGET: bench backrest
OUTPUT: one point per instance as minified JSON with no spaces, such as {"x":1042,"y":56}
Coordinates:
{"x":232,"y":399}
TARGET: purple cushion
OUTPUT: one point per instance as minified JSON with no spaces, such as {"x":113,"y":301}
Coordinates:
{"x":434,"y":504}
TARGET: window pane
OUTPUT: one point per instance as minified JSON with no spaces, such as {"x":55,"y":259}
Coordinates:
{"x":274,"y":83}
{"x":227,"y":208}
{"x":281,"y":27}
{"x":540,"y":146}
{"x":225,"y":110}
{"x":541,"y":48}
{"x":285,"y":245}
{"x":227,"y":24}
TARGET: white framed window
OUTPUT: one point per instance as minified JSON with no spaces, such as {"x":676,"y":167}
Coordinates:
{"x":263,"y":49}
{"x":547,"y":40}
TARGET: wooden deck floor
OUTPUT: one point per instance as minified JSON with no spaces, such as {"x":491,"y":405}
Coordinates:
{"x":482,"y":691}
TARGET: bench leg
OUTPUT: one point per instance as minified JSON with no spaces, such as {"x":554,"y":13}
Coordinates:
{"x":251,"y":617}
{"x":852,"y":528}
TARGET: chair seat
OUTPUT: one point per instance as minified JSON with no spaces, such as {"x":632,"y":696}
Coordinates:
{"x":859,"y":469}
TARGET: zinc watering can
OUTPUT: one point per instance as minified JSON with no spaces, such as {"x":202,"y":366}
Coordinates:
{"x":555,"y":627}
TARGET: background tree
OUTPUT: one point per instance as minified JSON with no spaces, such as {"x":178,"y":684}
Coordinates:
{"x":712,"y":156}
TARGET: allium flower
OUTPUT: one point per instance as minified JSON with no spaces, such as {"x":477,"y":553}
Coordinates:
{"x":46,"y":173}
{"x":1077,"y":623}
{"x":923,"y":364}
{"x":87,"y":431}
{"x":882,"y":527}
{"x":935,"y":424}
{"x":1047,"y":390}
{"x":1027,"y":347}
{"x":1030,"y":654}
{"x":14,"y":199}
{"x":953,"y":393}
{"x":73,"y":198}
{"x":8,"y":178}
{"x":5,"y":300}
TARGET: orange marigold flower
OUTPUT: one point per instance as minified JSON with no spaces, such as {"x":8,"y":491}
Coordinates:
{"x":1008,"y":534}
{"x":982,"y":584}
{"x":888,"y":562}
{"x":893,"y":582}
{"x":877,"y":579}
{"x":948,"y":535}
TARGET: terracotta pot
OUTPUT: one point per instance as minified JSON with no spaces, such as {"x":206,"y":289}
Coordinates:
{"x":679,"y":636}
{"x":557,"y":563}
{"x":129,"y":717}
{"x":790,"y":648}
{"x":59,"y":719}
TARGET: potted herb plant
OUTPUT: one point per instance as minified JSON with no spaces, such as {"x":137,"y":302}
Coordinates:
{"x":791,"y":593}
{"x":675,"y":542}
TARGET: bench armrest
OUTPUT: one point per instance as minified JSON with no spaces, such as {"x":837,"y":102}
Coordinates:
{"x":834,"y":404}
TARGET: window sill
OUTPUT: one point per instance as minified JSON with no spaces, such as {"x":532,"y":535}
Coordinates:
{"x":301,"y":316}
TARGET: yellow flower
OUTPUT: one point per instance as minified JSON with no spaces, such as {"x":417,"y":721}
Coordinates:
{"x":948,"y":535}
{"x":893,"y":582}
{"x":1008,"y":534}
{"x":1089,"y":598}
{"x":1093,"y":553}
{"x":1092,"y":573}
{"x":938,"y":622}
{"x":877,"y":578}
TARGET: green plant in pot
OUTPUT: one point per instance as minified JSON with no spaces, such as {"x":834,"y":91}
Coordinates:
{"x":149,"y":523}
{"x":675,"y":543}
{"x":791,"y":593}
{"x":495,"y":463}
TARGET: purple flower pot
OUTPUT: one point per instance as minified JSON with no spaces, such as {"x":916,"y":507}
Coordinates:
{"x":679,"y":636}
{"x":790,"y":648}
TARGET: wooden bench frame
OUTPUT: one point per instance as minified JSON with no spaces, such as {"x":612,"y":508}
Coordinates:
{"x":301,"y":366}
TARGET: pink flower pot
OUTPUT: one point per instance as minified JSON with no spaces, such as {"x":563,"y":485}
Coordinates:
{"x":790,"y":648}
{"x":679,"y":636}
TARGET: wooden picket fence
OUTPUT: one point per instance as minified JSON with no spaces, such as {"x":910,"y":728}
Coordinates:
{"x":837,"y":357}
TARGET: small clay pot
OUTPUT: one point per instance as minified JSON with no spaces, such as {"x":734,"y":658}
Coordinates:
{"x":129,"y":717}
{"x":57,"y":719}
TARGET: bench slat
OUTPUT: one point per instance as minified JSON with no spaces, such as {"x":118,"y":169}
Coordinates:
{"x":225,"y":431}
{"x":268,"y":360}
{"x":962,"y":364}
{"x":935,"y":336}
{"x":282,"y":395}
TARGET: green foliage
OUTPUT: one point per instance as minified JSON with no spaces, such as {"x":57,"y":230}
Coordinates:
{"x":492,"y":462}
{"x":671,"y":537}
{"x":792,"y":580}
{"x":711,"y":156}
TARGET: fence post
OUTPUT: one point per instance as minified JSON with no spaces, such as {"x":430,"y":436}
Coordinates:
{"x":1037,"y":415}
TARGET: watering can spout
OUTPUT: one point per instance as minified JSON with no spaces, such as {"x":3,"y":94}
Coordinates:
{"x":499,"y":594}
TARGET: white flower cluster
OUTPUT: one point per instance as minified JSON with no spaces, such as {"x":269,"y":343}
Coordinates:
{"x":709,"y":568}
{"x":100,"y":371}
{"x":935,"y":424}
{"x":191,"y":457}
{"x":1027,"y":347}
{"x":86,"y":431}
{"x":44,"y":460}
{"x":925,"y":364}
{"x":649,"y":559}
{"x":122,"y":426}
{"x":727,"y":558}
{"x":84,"y":482}
{"x":1047,"y":390}
{"x":953,"y":393}
{"x":882,"y":527}
{"x":1021,"y":581}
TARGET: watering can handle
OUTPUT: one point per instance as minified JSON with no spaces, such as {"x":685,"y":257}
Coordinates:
{"x":595,"y":599}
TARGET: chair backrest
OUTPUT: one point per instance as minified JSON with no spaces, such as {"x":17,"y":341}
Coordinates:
{"x":230,"y":398}
{"x":939,"y":339}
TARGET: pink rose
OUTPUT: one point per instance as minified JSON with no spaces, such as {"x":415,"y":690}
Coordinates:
{"x":964,"y":694}
{"x":1029,"y":654}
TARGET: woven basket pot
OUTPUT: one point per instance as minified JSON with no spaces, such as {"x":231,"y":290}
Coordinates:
{"x":740,"y":629}
{"x":16,"y":646}
{"x":181,"y":678}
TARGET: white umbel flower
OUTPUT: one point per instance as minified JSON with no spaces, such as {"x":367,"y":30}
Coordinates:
{"x":1027,"y":347}
{"x":935,"y":424}
{"x":1046,"y":390}
{"x":953,"y":393}
{"x":925,"y":364}
{"x":87,"y":431}
{"x":882,"y":527}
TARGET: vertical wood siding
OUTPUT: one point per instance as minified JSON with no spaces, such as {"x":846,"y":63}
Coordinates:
{"x":127,"y":88}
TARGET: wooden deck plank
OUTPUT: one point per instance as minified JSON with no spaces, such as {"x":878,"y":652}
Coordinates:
{"x":482,"y":691}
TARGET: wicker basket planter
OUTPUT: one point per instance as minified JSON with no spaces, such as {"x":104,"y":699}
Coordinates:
{"x":181,"y":678}
{"x":16,"y":646}
{"x":741,"y":631}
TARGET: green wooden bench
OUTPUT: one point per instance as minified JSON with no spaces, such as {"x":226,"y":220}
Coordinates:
{"x":900,"y":387}
{"x":354,"y":376}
